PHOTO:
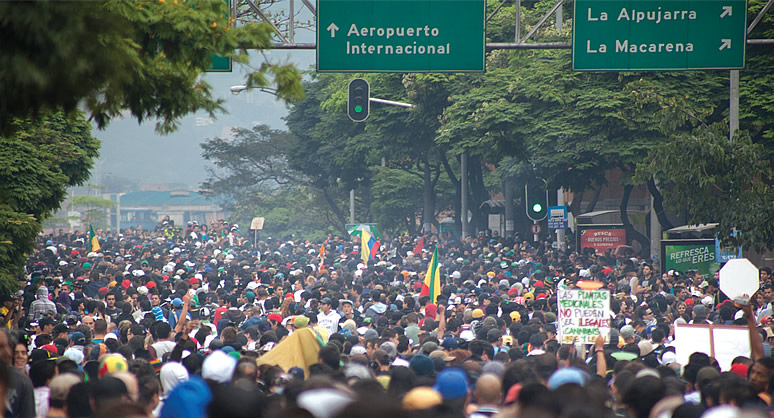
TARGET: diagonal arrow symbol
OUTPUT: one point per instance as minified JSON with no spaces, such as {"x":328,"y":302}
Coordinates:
{"x":725,"y":43}
{"x":727,"y":11}
{"x":332,"y":28}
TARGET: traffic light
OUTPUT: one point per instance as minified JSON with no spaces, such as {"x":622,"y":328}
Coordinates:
{"x":536,"y":199}
{"x":358,"y":100}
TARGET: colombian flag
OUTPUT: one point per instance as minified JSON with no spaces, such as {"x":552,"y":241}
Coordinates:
{"x":432,"y":285}
{"x":93,"y":244}
{"x":368,"y":246}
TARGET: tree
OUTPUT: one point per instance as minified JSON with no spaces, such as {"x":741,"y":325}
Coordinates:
{"x":251,"y":177}
{"x":92,"y":209}
{"x":42,"y":157}
{"x":724,"y":181}
{"x":147,"y":58}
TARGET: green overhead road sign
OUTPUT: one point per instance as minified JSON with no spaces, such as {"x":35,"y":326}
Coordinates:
{"x":640,"y":35}
{"x":401,"y":35}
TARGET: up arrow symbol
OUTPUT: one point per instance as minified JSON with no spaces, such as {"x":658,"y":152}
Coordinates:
{"x":333,"y":28}
{"x":726,"y":11}
{"x":726,"y":43}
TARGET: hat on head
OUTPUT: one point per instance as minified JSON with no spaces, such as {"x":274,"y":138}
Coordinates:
{"x":103,"y":291}
{"x":451,"y":383}
{"x":421,"y":397}
{"x":177,"y":302}
{"x":478,"y":313}
{"x":158,"y":313}
{"x":193,"y":280}
{"x":441,"y":355}
{"x":218,"y":366}
{"x":700,"y":311}
{"x":740,"y":370}
{"x":422,"y":365}
{"x":627,"y":331}
{"x":150,"y":285}
{"x":60,"y":386}
{"x":275,"y":317}
{"x":78,"y":338}
{"x":370,"y":333}
{"x":301,"y":321}
{"x":188,"y":399}
{"x":126,"y":284}
{"x":645,"y":348}
{"x":567,"y":375}
{"x":449,"y":343}
{"x":112,"y":363}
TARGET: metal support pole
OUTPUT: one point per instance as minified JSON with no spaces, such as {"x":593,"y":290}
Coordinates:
{"x":559,"y":18}
{"x":351,"y":206}
{"x":655,"y":233}
{"x":292,"y":22}
{"x":733,"y":103}
{"x":390,"y":102}
{"x":464,"y":194}
{"x":535,"y":237}
{"x":517,"y":31}
{"x":560,"y":232}
{"x":509,"y":210}
{"x":118,"y":213}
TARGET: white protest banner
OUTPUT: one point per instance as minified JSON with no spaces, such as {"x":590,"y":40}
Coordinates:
{"x":722,"y":342}
{"x":583,"y":314}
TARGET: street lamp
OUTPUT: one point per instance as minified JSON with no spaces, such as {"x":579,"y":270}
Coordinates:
{"x":238,"y":89}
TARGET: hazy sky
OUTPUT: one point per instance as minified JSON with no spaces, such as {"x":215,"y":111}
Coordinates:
{"x":138,"y":153}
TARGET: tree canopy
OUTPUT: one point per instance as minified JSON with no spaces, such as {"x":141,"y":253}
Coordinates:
{"x":115,"y":56}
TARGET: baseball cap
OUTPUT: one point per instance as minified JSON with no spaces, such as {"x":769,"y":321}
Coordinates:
{"x":451,"y":383}
{"x":421,"y":397}
{"x":449,"y":343}
{"x":177,"y":303}
{"x":275,"y":316}
{"x":567,"y":375}
{"x":78,"y":338}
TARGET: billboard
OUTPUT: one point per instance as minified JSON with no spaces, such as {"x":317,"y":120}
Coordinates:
{"x":602,"y":238}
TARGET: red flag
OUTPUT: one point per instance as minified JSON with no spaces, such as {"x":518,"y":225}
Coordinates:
{"x":418,"y":248}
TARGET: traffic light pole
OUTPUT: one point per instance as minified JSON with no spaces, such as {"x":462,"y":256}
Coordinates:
{"x":535,"y":237}
{"x":390,"y":102}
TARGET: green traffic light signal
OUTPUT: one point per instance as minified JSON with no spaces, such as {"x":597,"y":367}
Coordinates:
{"x":358,"y":94}
{"x":536,"y":199}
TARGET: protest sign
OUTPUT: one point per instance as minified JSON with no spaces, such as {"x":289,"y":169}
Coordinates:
{"x":583,"y":314}
{"x":722,"y":342}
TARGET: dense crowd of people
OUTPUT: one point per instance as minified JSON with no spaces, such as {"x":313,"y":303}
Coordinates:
{"x":195,"y":320}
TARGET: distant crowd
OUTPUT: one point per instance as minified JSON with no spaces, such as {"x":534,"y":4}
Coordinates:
{"x":197,"y":320}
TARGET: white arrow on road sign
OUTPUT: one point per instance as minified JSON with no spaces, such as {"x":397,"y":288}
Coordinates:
{"x":333,"y":28}
{"x":726,"y":43}
{"x":727,"y":11}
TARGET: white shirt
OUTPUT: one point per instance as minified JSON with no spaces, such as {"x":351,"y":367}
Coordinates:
{"x":329,"y":322}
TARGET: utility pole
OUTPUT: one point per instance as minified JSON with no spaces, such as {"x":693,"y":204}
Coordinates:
{"x":733,"y":103}
{"x":560,"y":232}
{"x":464,"y":194}
{"x":351,"y":206}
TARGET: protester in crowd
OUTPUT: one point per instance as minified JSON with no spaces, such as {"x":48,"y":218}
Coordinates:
{"x":192,"y":322}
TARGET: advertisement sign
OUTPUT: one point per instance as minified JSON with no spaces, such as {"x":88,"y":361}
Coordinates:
{"x":601,"y":239}
{"x":699,"y":257}
{"x":583,"y":314}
